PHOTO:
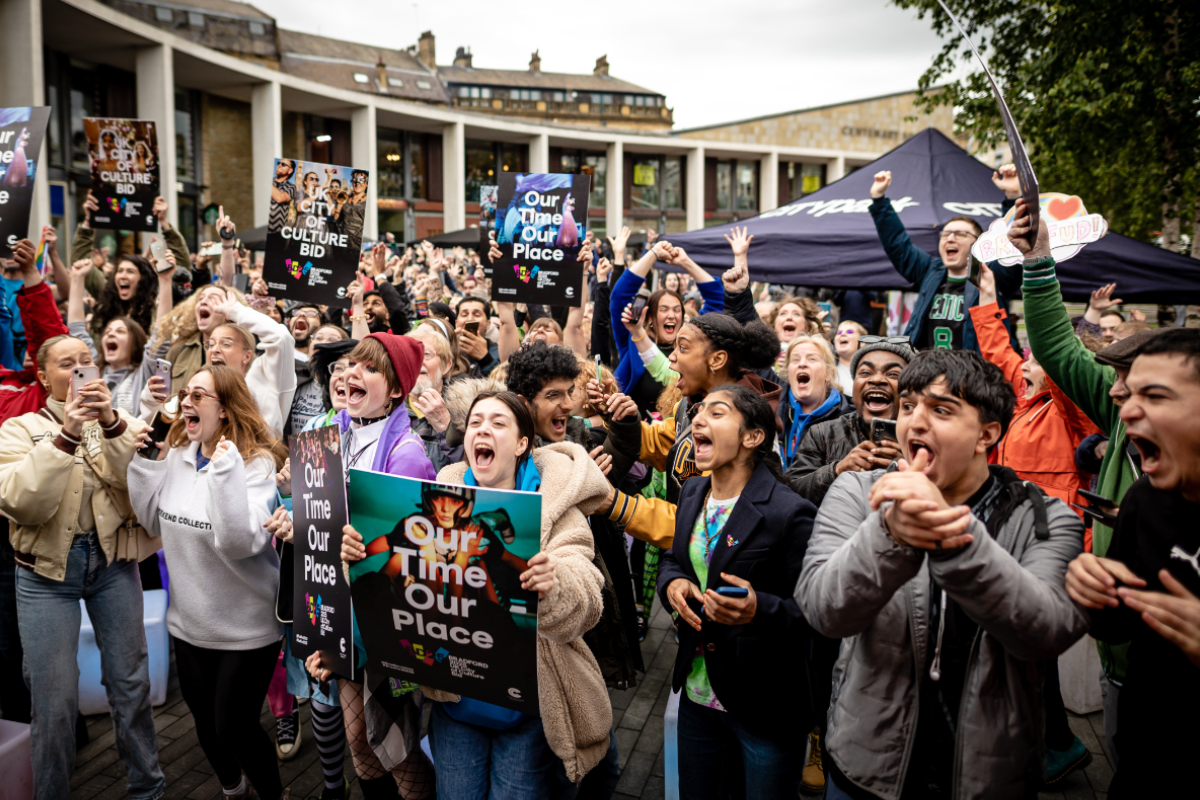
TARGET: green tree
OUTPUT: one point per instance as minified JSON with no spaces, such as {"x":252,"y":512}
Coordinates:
{"x":1106,"y":94}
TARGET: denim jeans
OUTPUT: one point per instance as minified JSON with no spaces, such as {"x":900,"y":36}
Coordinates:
{"x":49,"y":617}
{"x":476,"y":763}
{"x":601,"y":782}
{"x":709,"y":745}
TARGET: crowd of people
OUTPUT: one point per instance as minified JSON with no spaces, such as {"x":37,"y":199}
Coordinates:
{"x":873,"y":547}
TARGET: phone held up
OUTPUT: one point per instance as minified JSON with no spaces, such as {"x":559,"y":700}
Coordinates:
{"x":158,"y":433}
{"x":472,"y":328}
{"x":883,"y":430}
{"x":80,"y":377}
{"x":639,"y":303}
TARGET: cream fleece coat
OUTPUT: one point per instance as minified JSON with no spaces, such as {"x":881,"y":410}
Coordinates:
{"x":576,"y":713}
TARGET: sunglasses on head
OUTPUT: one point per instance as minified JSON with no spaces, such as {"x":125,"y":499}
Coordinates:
{"x":865,"y":340}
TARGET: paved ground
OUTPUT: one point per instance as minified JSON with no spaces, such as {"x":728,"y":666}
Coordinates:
{"x":637,"y":715}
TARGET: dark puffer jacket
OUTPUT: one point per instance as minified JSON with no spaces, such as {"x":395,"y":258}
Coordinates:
{"x":825,"y":444}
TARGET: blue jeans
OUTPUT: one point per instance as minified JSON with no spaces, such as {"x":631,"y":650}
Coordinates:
{"x":475,"y":763}
{"x":709,"y":743}
{"x":49,"y":617}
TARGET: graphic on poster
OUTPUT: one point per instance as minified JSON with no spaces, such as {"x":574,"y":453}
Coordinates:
{"x":320,"y":595}
{"x":1069,"y":227}
{"x":124,"y":156}
{"x":315,"y":231}
{"x":21,"y":133}
{"x":487,"y":224}
{"x":540,"y":219}
{"x":438,"y":598}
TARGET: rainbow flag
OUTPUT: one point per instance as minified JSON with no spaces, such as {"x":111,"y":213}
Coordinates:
{"x":41,"y":257}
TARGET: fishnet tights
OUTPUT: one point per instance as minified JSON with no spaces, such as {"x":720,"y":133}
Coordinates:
{"x":414,"y":775}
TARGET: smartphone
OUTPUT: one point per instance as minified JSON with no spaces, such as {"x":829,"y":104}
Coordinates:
{"x":1098,"y":500}
{"x":472,"y":328}
{"x":827,"y":307}
{"x":973,"y":271}
{"x":599,"y":378}
{"x":158,"y":251}
{"x":80,"y":377}
{"x":639,"y":303}
{"x":733,"y":591}
{"x":883,"y":430}
{"x":212,"y":251}
{"x":162,"y":369}
{"x":158,"y":433}
{"x":241,"y":282}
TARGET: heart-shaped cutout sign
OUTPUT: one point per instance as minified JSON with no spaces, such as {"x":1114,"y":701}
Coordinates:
{"x":1064,"y":209}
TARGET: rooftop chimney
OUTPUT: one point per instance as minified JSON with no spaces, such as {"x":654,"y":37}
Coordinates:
{"x":601,"y":69}
{"x":535,"y":62}
{"x":462,"y":58}
{"x":427,"y":50}
{"x":381,"y":75}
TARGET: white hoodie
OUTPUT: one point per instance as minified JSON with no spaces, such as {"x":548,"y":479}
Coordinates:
{"x":224,"y":571}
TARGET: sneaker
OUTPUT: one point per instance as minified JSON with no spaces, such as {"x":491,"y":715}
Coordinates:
{"x":812,"y":780}
{"x":287,"y":735}
{"x":1061,"y":763}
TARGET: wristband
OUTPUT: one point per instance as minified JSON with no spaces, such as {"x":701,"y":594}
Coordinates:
{"x":358,"y":317}
{"x":644,"y":335}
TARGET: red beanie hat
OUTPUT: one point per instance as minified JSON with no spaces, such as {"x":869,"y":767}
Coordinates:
{"x":406,"y":356}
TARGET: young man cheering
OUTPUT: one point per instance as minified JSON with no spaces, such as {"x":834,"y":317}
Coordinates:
{"x":1145,"y":590}
{"x":946,"y":578}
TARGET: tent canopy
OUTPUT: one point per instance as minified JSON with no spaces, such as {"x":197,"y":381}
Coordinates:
{"x":828,"y":238}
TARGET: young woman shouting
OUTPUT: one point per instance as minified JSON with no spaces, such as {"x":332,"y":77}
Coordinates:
{"x":740,"y":539}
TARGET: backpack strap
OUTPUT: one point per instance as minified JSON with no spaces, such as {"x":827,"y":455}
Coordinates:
{"x":1041,"y":520}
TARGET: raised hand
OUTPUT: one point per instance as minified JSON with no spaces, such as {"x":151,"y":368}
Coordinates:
{"x":1006,"y":180}
{"x":1018,"y":233}
{"x":1102,"y":299}
{"x":919,"y":516}
{"x":736,"y":279}
{"x":739,"y":242}
{"x":223,"y":447}
{"x":987,"y":285}
{"x":618,"y":243}
{"x":604,"y":268}
{"x":434,"y":408}
{"x":883,"y":180}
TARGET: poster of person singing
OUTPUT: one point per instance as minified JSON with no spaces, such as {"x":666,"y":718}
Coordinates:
{"x":438,"y":599}
{"x":314,"y":231}
{"x":540,"y":228}
{"x":124,"y":156}
{"x":21,"y":133}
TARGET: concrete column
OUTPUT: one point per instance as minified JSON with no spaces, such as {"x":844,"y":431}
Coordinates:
{"x":768,"y":182}
{"x":454,"y":177}
{"x":694,"y":201}
{"x":23,"y":83}
{"x":614,"y":188}
{"x":363,"y":155}
{"x":156,"y":101}
{"x":835,"y":170}
{"x":539,"y":153}
{"x":266,"y":134}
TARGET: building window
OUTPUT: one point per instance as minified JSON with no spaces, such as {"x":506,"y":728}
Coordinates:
{"x":512,"y":158}
{"x":724,"y":186}
{"x":258,"y":29}
{"x":644,"y":192}
{"x":558,"y":97}
{"x":195,"y":20}
{"x":416,"y":164}
{"x":480,"y":167}
{"x":389,"y":162}
{"x":424,"y":85}
{"x":395,"y":83}
{"x":598,"y":166}
{"x":185,"y":136}
{"x":812,"y":178}
{"x":747,"y":186}
{"x":485,"y":93}
{"x":164,"y":14}
{"x":360,"y":77}
{"x":672,"y":181}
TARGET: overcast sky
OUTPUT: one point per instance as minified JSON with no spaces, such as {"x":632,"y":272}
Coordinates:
{"x":715,"y":61}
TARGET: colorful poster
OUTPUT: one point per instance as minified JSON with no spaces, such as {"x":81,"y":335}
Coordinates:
{"x":21,"y":132}
{"x":1069,"y":227}
{"x":438,"y":598}
{"x":124,"y":155}
{"x":487,"y":226}
{"x":321,"y":619}
{"x":315,"y":231}
{"x":540,"y":219}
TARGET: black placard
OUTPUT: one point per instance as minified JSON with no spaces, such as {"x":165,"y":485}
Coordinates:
{"x":124,"y":157}
{"x":21,"y":132}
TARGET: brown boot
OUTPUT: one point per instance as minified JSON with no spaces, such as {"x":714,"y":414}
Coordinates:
{"x":812,"y":780}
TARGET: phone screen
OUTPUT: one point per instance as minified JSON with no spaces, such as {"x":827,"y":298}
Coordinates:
{"x":241,"y":282}
{"x":973,"y":272}
{"x":883,"y":430}
{"x":158,"y":433}
{"x":472,"y":328}
{"x":638,"y":304}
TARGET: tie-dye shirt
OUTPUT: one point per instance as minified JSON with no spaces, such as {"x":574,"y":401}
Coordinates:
{"x":705,"y":535}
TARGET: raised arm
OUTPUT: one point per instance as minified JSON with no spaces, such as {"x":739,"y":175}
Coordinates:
{"x":909,"y":260}
{"x":228,"y":249}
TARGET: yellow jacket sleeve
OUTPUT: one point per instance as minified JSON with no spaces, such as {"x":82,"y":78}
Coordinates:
{"x":650,"y":519}
{"x":657,"y":440}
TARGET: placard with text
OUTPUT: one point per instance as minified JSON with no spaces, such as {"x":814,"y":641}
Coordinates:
{"x":321,"y":619}
{"x":540,"y":227}
{"x":21,"y":132}
{"x":438,"y":598}
{"x":315,"y":231}
{"x":487,"y":226}
{"x":124,"y":159}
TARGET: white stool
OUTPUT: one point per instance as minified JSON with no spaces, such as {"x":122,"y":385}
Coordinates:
{"x":16,"y":765}
{"x":1079,"y":677}
{"x":92,"y":697}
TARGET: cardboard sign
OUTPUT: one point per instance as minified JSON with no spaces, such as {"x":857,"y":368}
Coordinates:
{"x":438,"y":598}
{"x":124,"y":156}
{"x":314,"y":232}
{"x":540,"y":227}
{"x":21,"y":132}
{"x":487,"y":225}
{"x":321,"y":602}
{"x":1025,"y":175}
{"x":1068,"y":224}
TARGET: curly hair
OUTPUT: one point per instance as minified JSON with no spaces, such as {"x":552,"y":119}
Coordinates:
{"x":538,"y":363}
{"x":139,"y":308}
{"x":807,"y":306}
{"x":181,"y":322}
{"x":749,"y":347}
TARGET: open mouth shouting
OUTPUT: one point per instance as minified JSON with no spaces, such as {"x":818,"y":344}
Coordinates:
{"x":559,"y":425}
{"x":356,"y":395}
{"x":339,"y":392}
{"x":191,"y":423}
{"x":204,"y":317}
{"x":1149,"y":450}
{"x":111,"y":346}
{"x":877,"y":402}
{"x":704,"y":448}
{"x":952,"y":249}
{"x":124,"y":288}
{"x":788,"y":330}
{"x":484,"y":455}
{"x":915,"y":446}
{"x":670,"y":327}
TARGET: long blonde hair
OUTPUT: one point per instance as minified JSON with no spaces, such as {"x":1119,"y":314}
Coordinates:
{"x":181,"y":322}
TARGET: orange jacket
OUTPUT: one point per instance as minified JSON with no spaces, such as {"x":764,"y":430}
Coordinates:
{"x":1046,"y":429}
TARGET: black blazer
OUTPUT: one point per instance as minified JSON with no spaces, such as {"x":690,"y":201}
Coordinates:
{"x":757,"y":670}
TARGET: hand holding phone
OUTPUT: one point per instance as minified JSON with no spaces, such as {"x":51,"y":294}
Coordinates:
{"x":80,"y":377}
{"x":158,"y":251}
{"x":883,"y":430}
{"x":472,"y":328}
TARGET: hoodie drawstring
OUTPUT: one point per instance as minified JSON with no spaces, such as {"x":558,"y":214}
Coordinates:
{"x":935,"y":671}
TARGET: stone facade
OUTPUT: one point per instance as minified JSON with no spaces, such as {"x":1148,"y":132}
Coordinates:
{"x":870,"y":126}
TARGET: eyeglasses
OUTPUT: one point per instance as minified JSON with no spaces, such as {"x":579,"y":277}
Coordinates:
{"x":338,"y":368}
{"x":311,"y":313}
{"x":556,"y":396}
{"x":213,"y":344}
{"x":865,"y":340}
{"x":957,"y":235}
{"x":196,"y":395}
